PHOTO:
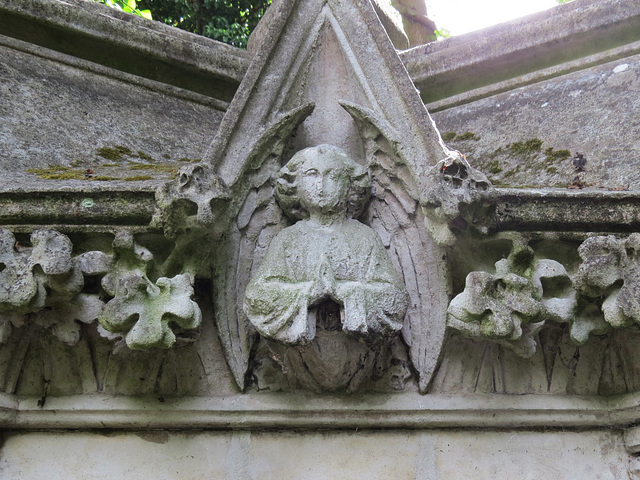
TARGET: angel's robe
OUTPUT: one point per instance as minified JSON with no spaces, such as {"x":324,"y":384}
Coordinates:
{"x":306,"y":264}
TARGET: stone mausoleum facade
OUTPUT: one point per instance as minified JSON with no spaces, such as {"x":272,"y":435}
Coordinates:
{"x":322,"y":257}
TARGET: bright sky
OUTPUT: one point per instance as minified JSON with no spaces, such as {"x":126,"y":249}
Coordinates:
{"x":462,"y":16}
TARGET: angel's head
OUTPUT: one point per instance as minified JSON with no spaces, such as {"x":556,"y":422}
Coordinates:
{"x":322,"y":179}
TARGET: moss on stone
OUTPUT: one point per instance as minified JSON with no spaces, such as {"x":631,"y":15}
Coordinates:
{"x":138,"y":178}
{"x":58,"y":172}
{"x":166,"y":168}
{"x":144,"y":156}
{"x":556,"y":155}
{"x":467,"y":136}
{"x":448,"y":136}
{"x":528,"y":147}
{"x":494,"y":167}
{"x":113,"y":153}
{"x":141,"y":166}
{"x":552,"y":170}
{"x":192,"y":160}
{"x":511,"y":172}
{"x":453,"y":136}
{"x":103,"y":178}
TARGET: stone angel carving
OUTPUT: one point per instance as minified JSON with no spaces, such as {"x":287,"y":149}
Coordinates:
{"x":326,"y":255}
{"x":372,"y":270}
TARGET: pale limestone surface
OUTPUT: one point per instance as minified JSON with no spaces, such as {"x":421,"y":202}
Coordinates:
{"x":594,"y":112}
{"x":407,"y":455}
{"x":57,"y":114}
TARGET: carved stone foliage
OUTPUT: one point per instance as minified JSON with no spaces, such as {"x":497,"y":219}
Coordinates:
{"x":511,"y":305}
{"x":45,"y":284}
{"x":537,"y":324}
{"x":145,"y":312}
{"x":44,"y":281}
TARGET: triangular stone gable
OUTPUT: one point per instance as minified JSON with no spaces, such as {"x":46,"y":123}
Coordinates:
{"x":332,"y":57}
{"x":324,"y":52}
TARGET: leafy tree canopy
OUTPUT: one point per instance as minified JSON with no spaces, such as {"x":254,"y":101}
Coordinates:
{"x":229,"y":21}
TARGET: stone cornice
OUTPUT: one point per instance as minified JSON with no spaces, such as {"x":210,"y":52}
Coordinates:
{"x":523,"y":51}
{"x":532,"y":209}
{"x":124,"y":42}
{"x":408,"y":410}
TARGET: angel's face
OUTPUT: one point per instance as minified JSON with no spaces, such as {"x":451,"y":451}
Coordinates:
{"x":323,"y":183}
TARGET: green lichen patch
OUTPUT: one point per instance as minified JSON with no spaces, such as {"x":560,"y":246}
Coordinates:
{"x":58,"y":172}
{"x":447,"y":136}
{"x":556,"y":155}
{"x":467,"y":136}
{"x":494,"y":167}
{"x":191,"y":160}
{"x":114,"y":154}
{"x":552,"y":170}
{"x":528,"y":147}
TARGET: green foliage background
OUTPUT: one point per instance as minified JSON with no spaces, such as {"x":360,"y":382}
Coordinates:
{"x":229,"y":21}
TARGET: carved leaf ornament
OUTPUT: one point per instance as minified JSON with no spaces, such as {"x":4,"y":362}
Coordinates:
{"x":42,"y":283}
{"x":145,"y":312}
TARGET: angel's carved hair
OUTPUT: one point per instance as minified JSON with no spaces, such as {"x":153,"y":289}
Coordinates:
{"x":287,"y":182}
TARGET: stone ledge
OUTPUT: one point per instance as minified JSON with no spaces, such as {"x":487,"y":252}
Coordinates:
{"x":565,"y":210}
{"x":496,"y":54}
{"x":263,"y":411}
{"x":560,"y":210}
{"x":125,"y":42}
{"x":66,"y":207}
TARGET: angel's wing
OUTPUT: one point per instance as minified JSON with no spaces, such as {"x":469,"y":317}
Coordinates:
{"x":396,"y":215}
{"x":256,"y":219}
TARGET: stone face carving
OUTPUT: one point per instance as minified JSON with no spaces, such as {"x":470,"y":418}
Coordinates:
{"x":456,"y":197}
{"x":191,"y":205}
{"x":325,"y":256}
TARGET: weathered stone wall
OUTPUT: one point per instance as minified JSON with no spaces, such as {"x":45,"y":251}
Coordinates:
{"x":522,"y":99}
{"x":402,"y":455}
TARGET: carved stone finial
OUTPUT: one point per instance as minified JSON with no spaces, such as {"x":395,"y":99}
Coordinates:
{"x":456,"y":196}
